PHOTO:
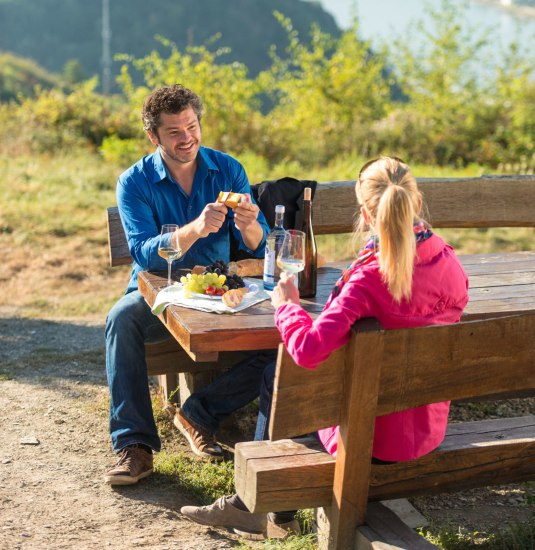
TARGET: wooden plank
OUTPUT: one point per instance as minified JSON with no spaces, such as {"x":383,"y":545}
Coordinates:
{"x":487,"y":201}
{"x":473,"y":454}
{"x":406,"y":512}
{"x":353,"y":458}
{"x":514,"y":278}
{"x":385,"y":527}
{"x":459,"y":371}
{"x":203,"y":334}
{"x":297,"y":462}
{"x":117,"y":245}
{"x":439,"y":363}
{"x":294,"y":384}
{"x":467,"y":465}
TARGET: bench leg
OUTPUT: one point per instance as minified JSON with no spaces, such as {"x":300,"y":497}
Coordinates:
{"x":190,"y":382}
{"x":168,"y":384}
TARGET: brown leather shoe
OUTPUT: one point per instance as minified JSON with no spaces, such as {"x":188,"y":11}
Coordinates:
{"x":202,"y":443}
{"x":134,"y":464}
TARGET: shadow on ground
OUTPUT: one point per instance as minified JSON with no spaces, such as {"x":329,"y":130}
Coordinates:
{"x":37,"y":350}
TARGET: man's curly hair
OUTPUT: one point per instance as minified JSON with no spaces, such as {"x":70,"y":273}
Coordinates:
{"x":170,"y":100}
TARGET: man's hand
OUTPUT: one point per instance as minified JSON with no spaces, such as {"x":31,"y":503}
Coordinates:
{"x":245,"y":215}
{"x":211,"y":219}
{"x":245,"y":220}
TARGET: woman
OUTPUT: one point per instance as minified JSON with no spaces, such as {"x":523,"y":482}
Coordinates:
{"x":405,"y":276}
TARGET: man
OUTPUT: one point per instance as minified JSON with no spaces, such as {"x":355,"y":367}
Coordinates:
{"x":178,"y":183}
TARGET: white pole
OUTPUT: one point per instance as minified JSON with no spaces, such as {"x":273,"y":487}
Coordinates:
{"x":106,"y":49}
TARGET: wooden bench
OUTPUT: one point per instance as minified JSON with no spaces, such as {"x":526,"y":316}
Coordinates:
{"x":490,"y":201}
{"x":376,"y":373}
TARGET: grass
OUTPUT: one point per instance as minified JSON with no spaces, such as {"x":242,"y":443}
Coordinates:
{"x":517,"y":536}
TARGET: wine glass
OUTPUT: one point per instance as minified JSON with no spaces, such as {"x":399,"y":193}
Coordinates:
{"x":169,"y":247}
{"x":291,"y":258}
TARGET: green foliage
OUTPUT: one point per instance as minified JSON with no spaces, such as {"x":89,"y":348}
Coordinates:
{"x":304,"y":542}
{"x":325,"y":95}
{"x":59,"y":120}
{"x":73,"y":73}
{"x":20,"y":76}
{"x":205,"y":481}
{"x":452,"y":116}
{"x":123,"y":152}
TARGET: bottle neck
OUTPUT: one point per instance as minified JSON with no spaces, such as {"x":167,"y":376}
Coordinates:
{"x":279,"y":219}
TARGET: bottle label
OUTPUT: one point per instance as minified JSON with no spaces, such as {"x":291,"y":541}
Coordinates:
{"x":269,"y":266}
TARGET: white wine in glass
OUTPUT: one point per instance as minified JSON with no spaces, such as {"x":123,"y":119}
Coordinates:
{"x":291,"y":258}
{"x":169,"y":247}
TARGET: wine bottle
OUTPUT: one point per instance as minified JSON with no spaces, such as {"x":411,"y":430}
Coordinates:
{"x":308,"y":277}
{"x":273,"y":244}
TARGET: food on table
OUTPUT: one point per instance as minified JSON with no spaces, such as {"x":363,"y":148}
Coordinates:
{"x":231,"y":199}
{"x":212,"y":280}
{"x":210,"y":284}
{"x":247,"y":268}
{"x":234,"y":297}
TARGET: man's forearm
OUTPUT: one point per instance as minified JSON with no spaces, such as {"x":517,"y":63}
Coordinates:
{"x":253,"y":235}
{"x":187,"y":236}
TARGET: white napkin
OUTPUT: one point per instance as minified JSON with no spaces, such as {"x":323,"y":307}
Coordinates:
{"x":175,"y":295}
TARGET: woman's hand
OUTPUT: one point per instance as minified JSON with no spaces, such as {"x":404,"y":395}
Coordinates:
{"x":285,"y":292}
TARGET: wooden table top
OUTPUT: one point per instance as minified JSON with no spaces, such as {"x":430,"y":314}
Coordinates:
{"x":500,"y":284}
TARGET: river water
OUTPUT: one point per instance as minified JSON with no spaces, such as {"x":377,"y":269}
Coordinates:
{"x":380,"y":20}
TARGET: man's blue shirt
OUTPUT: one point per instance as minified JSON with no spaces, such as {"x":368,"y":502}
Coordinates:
{"x":149,"y":197}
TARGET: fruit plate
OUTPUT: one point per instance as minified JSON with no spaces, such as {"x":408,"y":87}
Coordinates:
{"x":253,"y":289}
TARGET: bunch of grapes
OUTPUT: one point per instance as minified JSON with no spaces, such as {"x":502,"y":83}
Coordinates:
{"x":234,"y":281}
{"x":205,"y":283}
{"x":219,"y":267}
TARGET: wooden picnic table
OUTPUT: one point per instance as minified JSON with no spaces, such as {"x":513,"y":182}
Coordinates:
{"x":500,"y":284}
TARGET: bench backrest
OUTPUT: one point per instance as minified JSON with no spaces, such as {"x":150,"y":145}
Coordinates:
{"x":393,"y":370}
{"x":488,"y":201}
{"x":380,"y":372}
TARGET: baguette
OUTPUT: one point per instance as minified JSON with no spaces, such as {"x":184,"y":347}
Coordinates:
{"x":247,"y":268}
{"x":230,"y":199}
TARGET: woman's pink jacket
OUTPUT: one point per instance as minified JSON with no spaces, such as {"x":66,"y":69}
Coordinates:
{"x":439,"y":295}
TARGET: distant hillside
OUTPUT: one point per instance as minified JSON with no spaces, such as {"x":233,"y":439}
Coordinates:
{"x":21,"y":76}
{"x":53,"y":32}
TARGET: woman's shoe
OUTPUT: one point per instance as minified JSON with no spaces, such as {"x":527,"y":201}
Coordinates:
{"x":223,"y":514}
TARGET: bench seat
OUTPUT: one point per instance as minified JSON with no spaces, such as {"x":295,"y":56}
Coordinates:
{"x":299,"y":473}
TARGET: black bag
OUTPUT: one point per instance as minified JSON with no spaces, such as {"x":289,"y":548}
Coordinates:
{"x":287,"y":191}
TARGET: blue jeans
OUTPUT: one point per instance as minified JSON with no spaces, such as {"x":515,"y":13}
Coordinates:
{"x":130,"y":324}
{"x":264,"y":407}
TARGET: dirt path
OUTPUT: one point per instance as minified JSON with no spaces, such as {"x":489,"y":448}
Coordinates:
{"x":53,"y":391}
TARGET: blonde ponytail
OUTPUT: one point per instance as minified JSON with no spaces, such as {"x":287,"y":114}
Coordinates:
{"x":397,"y":245}
{"x":388,"y":192}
